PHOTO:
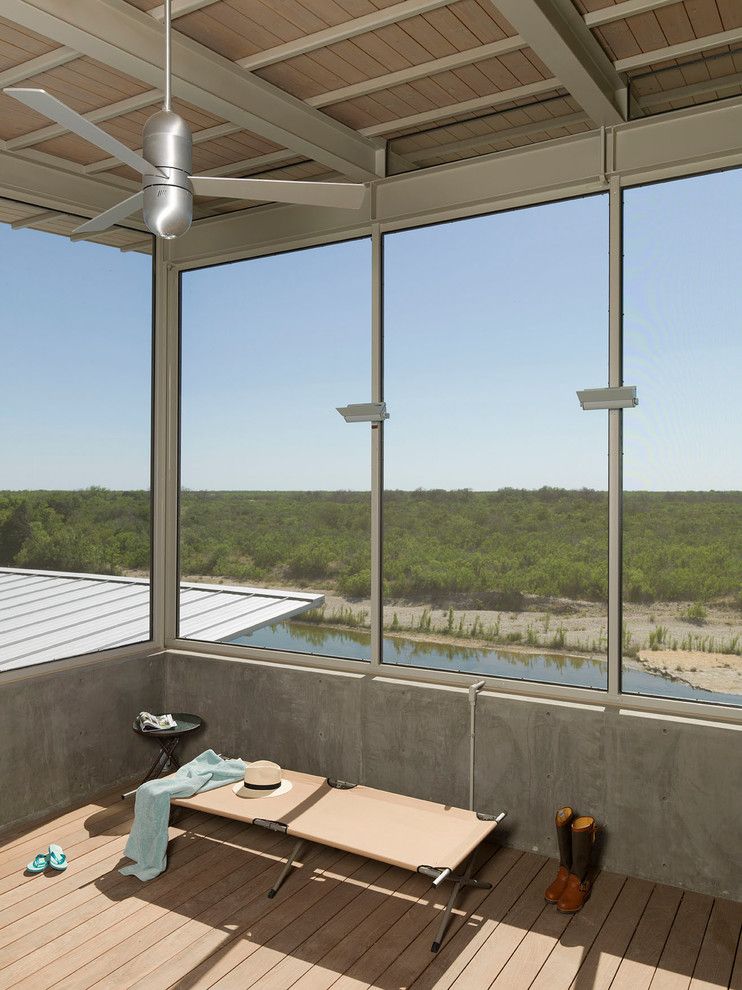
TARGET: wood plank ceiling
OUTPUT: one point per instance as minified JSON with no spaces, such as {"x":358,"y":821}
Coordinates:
{"x":702,"y":37}
{"x":438,"y":81}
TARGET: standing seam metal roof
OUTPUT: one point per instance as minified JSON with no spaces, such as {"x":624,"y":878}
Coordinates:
{"x":48,"y":615}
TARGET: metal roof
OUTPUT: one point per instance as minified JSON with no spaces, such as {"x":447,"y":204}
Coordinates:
{"x":47,"y":615}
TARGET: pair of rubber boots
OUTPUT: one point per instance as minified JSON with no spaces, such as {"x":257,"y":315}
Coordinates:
{"x":576,"y":837}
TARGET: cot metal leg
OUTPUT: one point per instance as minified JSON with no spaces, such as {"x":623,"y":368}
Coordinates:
{"x":295,"y":852}
{"x":459,"y":881}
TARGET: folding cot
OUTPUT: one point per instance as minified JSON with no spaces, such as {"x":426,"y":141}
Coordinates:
{"x":421,"y":836}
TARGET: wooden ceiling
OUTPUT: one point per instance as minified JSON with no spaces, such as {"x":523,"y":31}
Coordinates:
{"x":703,"y":39}
{"x":437,"y":81}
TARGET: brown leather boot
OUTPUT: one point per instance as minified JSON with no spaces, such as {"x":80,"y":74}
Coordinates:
{"x":564,"y":819}
{"x":577,"y":888}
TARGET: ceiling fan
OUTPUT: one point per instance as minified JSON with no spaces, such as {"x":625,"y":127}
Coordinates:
{"x":165,"y":165}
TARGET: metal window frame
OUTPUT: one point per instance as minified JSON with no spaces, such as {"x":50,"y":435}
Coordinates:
{"x":688,"y":142}
{"x":155,"y":643}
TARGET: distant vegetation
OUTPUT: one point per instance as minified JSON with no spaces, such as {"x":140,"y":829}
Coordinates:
{"x":443,"y":548}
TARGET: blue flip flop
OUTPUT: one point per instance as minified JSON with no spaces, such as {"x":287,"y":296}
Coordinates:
{"x":57,"y":858}
{"x":40,"y":863}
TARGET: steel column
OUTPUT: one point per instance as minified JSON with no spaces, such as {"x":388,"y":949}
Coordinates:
{"x":377,"y":444}
{"x":615,"y":437}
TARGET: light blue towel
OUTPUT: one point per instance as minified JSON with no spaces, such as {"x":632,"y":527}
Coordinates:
{"x":147,"y":842}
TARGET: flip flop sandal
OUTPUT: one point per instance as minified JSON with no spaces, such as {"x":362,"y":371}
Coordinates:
{"x":57,"y":858}
{"x":40,"y":863}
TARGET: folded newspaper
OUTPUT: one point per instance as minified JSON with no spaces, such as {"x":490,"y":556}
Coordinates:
{"x":155,"y":723}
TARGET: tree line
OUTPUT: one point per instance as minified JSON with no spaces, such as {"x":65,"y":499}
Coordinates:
{"x":460,"y":548}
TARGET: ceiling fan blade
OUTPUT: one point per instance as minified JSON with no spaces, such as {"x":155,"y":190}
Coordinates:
{"x":109,"y":217}
{"x":341,"y":195}
{"x":48,"y":105}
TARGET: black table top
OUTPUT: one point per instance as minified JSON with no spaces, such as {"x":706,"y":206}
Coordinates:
{"x":184,"y":723}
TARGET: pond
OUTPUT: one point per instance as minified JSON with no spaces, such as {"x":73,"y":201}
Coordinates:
{"x":306,"y":637}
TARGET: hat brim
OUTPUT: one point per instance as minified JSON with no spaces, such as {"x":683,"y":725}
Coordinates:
{"x":247,"y":792}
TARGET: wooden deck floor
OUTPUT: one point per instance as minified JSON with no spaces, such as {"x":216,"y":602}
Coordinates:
{"x":340,"y":921}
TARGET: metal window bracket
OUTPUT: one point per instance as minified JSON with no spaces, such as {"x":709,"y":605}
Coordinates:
{"x":623,"y":397}
{"x":364,"y":412}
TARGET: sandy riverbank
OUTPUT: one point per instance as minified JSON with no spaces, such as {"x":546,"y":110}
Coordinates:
{"x":693,"y":651}
{"x":580,"y":629}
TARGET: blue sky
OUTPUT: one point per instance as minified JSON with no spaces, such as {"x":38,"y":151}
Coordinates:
{"x":74,"y":363}
{"x":491,"y":325}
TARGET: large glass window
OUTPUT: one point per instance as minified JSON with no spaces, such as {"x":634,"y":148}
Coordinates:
{"x":682,"y":463}
{"x":495,"y":512}
{"x":75,"y":377}
{"x":275,"y":499}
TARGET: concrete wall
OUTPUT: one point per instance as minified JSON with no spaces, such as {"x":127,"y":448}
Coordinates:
{"x":65,"y":733}
{"x":669,"y":793}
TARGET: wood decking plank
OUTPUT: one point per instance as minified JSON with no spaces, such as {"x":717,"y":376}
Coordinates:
{"x":416,"y":958}
{"x":678,"y":959}
{"x":507,"y":936}
{"x":139,"y":947}
{"x":135,"y":911}
{"x":17,"y":876}
{"x":262,"y":958}
{"x":523,"y":966}
{"x":735,"y":982}
{"x":343,"y":925}
{"x":600,"y":964}
{"x":456,"y":953}
{"x":718,"y":949}
{"x":70,"y":838}
{"x":203,"y":949}
{"x":99,"y":897}
{"x":567,"y":955}
{"x":639,"y":964}
{"x":12,"y":837}
{"x":368,"y":969}
{"x":340,"y":922}
{"x":393,"y":906}
{"x":118,"y":897}
{"x":184,"y":847}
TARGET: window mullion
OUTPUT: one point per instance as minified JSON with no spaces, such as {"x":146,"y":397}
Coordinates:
{"x":615,"y":438}
{"x":377,"y":442}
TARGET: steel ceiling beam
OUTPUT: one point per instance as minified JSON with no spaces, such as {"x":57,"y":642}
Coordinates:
{"x":557,"y":33}
{"x":180,"y":8}
{"x":117,"y":34}
{"x":35,"y":66}
{"x":684,"y":142}
{"x":108,"y":112}
{"x":629,"y":8}
{"x":36,"y":218}
{"x":693,"y":47}
{"x":32,"y":180}
{"x":483,"y":140}
{"x":341,"y":32}
{"x":693,"y":89}
{"x":468,"y":106}
{"x":421,"y":71}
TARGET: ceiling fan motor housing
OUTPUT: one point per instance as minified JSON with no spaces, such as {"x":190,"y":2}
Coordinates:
{"x":168,"y":198}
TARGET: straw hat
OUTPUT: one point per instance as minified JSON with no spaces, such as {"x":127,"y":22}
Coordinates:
{"x":262,"y":780}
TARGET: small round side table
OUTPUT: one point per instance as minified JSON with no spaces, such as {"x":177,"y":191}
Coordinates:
{"x":168,"y":740}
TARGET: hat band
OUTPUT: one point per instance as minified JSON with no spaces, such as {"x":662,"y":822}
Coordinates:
{"x":262,"y":787}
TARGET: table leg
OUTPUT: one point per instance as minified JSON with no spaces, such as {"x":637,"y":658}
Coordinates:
{"x":165,"y":759}
{"x":287,"y":868}
{"x":157,"y":767}
{"x":168,"y":751}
